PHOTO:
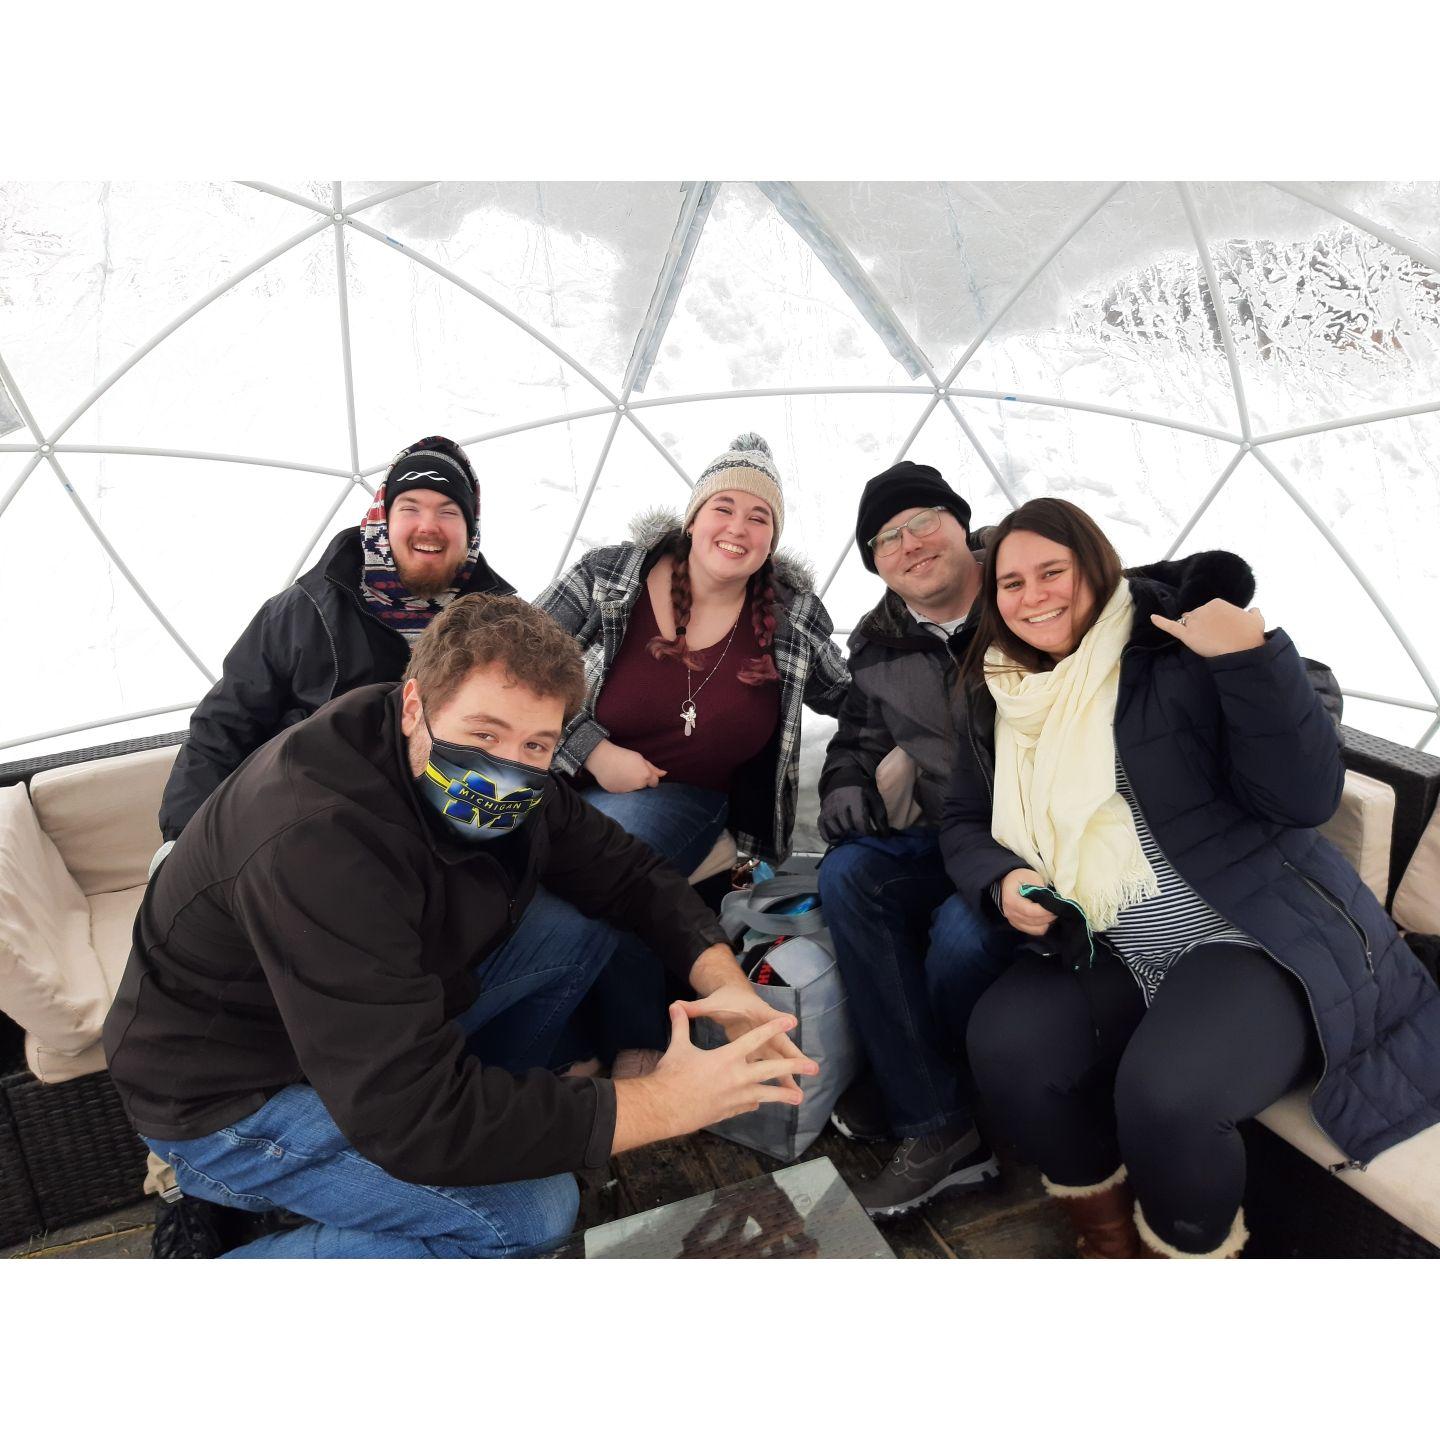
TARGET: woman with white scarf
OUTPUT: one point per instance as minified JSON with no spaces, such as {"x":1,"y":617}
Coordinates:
{"x":1136,"y":794}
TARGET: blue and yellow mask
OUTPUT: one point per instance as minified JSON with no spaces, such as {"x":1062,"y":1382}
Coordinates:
{"x":478,"y":795}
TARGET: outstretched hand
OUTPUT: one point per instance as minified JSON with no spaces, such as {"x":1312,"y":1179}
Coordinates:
{"x":738,"y":1010}
{"x":1216,"y":628}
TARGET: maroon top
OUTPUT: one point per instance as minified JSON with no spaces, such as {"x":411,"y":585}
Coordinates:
{"x":640,"y":702}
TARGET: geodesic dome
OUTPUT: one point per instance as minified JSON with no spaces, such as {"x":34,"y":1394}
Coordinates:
{"x":199,"y":383}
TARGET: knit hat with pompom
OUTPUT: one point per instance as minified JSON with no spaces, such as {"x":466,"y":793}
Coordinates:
{"x":747,"y":465}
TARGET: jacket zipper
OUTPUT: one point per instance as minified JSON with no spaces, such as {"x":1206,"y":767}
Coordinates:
{"x":1340,"y":910}
{"x":1348,"y":1163}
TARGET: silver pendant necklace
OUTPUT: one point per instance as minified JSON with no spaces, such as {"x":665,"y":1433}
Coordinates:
{"x":687,"y":710}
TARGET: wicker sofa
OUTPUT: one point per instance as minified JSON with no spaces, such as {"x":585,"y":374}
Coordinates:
{"x":76,"y":835}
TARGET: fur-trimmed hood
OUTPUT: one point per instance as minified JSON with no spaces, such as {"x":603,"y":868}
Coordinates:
{"x":659,"y":525}
{"x":1171,"y":587}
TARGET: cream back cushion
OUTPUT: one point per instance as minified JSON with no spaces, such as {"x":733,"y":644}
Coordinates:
{"x":1360,"y":829}
{"x":1417,"y":900}
{"x":51,"y":980}
{"x":101,"y":814}
{"x":112,"y":917}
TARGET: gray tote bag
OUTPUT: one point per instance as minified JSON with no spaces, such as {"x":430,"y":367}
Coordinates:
{"x":813,"y":992}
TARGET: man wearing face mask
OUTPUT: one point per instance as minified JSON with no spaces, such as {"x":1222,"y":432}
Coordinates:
{"x":291,"y":1030}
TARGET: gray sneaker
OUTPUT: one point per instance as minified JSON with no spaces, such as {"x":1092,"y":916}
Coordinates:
{"x":926,"y":1165}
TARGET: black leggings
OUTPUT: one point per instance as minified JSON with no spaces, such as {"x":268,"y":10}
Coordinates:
{"x":1081,"y":1076}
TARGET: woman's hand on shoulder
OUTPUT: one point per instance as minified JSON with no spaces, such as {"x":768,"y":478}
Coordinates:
{"x":619,"y":770}
{"x":1025,"y":915}
{"x":1216,"y":628}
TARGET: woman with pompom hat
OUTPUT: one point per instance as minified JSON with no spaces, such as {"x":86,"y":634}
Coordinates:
{"x":702,"y":645}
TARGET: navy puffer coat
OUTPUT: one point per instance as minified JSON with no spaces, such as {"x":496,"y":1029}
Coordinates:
{"x":1233,"y":761}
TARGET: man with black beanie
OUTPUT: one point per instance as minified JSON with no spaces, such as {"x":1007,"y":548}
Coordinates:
{"x":914,"y":957}
{"x":350,"y":620}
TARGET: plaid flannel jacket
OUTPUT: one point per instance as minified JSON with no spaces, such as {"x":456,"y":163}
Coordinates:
{"x":593,"y":601}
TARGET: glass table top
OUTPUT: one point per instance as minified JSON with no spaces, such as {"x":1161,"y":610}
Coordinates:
{"x":804,"y":1212}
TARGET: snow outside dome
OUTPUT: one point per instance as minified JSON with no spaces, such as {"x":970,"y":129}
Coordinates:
{"x":200,"y":382}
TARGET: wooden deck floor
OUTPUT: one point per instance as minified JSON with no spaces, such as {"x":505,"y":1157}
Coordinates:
{"x":1012,"y":1220}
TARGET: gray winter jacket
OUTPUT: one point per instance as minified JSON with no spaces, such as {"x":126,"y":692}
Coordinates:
{"x":902,"y":692}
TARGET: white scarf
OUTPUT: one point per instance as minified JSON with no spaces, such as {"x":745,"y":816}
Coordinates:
{"x":1055,"y":800}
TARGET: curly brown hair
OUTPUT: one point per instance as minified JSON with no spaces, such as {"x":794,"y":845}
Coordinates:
{"x":480,"y":630}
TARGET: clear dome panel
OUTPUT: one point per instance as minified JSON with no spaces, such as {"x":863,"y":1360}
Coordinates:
{"x":209,"y":541}
{"x":760,"y":311}
{"x":90,"y":272}
{"x":1304,"y":587}
{"x":255,"y":373}
{"x":321,"y":192}
{"x":636,"y":478}
{"x":99,"y":652}
{"x":1378,"y":488}
{"x":947,"y":255}
{"x":1411,"y":208}
{"x":429,"y":358}
{"x":1119,"y":318}
{"x":1327,"y":319}
{"x":531,"y":488}
{"x":1141,"y":482}
{"x":578,"y":261}
{"x":825,"y":447}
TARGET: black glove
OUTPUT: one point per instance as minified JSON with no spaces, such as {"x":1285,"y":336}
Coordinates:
{"x":850,"y":810}
{"x":1068,"y":940}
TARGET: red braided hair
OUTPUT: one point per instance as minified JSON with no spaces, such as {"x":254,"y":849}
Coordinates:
{"x":680,"y":602}
{"x":762,"y":618}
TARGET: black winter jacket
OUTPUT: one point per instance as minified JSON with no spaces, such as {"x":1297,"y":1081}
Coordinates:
{"x":1233,"y":760}
{"x":311,"y":642}
{"x":312,"y":925}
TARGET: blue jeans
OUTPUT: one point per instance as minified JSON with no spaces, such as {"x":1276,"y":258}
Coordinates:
{"x":915,"y":959}
{"x":289,"y":1153}
{"x":625,"y":1008}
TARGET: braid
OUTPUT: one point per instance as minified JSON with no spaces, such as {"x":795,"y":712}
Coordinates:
{"x":762,"y":618}
{"x":680,"y":601}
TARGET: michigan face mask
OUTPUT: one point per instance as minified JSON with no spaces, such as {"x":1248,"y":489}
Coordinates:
{"x":477,"y":795}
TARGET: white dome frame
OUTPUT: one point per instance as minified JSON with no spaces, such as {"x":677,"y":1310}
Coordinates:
{"x":623,"y":406}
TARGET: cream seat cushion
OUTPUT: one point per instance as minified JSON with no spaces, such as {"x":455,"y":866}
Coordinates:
{"x":1403,"y":1182}
{"x":1361,"y":829}
{"x":1417,"y":900}
{"x":101,"y":814}
{"x":51,"y":980}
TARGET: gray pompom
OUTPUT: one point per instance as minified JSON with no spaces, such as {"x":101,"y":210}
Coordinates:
{"x":751,"y":441}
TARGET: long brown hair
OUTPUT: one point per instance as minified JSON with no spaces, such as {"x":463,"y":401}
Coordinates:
{"x":1096,"y":562}
{"x":761,"y":593}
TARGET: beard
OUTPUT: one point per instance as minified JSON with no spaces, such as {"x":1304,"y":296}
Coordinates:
{"x":428,"y":586}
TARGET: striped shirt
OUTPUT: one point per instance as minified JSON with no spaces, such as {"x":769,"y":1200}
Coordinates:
{"x":1151,"y":936}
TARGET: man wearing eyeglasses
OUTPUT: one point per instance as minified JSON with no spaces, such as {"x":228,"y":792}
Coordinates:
{"x":915,"y":958}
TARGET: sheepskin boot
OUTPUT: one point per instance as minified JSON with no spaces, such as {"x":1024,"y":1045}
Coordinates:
{"x":1103,"y":1215}
{"x":1154,"y":1248}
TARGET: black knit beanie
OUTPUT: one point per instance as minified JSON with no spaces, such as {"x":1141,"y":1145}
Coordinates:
{"x":435,"y":463}
{"x":902,"y":487}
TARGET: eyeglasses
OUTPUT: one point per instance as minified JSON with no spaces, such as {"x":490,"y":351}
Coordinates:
{"x":922,"y":522}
